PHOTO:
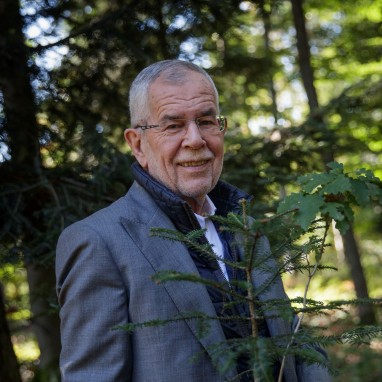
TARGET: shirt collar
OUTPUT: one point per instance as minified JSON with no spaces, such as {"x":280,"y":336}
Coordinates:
{"x":225,"y":197}
{"x":208,"y":210}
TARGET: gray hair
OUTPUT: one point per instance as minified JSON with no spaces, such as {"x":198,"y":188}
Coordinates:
{"x":174,"y":71}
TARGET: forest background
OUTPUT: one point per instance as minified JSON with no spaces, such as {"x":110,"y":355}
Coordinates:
{"x":300,"y":83}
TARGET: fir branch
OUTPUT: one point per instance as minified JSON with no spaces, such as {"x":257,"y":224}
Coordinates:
{"x":358,"y":301}
{"x":202,"y":318}
{"x":166,"y":276}
{"x":191,"y":240}
{"x":362,"y":335}
{"x":312,"y":272}
{"x":249,"y":246}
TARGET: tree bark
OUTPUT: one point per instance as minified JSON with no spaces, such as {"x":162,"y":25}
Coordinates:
{"x":352,"y":255}
{"x":366,"y":311}
{"x":265,"y":15}
{"x":45,"y":320}
{"x":304,"y":60}
{"x":24,"y":168}
{"x":9,"y":369}
{"x":19,"y":106}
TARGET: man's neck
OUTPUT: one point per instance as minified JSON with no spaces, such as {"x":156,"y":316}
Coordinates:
{"x":197,"y":205}
{"x":207,"y":208}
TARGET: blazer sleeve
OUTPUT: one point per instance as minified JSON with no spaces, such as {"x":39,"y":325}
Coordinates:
{"x":93,"y":300}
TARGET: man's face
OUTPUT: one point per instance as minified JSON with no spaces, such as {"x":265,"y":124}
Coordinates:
{"x":189,"y":165}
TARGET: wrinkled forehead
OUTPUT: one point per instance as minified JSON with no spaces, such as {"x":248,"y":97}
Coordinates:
{"x":181,"y":77}
{"x":190,"y":94}
{"x":168,"y":82}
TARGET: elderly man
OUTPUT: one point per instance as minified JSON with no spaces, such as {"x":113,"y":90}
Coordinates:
{"x":105,"y":262}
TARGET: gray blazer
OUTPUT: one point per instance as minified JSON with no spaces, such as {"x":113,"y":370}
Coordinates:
{"x":104,"y":267}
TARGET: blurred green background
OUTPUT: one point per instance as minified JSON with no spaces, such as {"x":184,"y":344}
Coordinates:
{"x":300,"y":84}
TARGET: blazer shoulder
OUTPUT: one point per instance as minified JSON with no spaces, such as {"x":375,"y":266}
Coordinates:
{"x":106,"y":214}
{"x":136,"y":207}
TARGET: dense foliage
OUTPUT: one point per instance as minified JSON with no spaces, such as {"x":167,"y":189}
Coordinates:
{"x":65,"y":69}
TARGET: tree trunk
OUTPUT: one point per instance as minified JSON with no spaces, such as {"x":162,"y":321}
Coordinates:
{"x":366,"y":311}
{"x":265,"y":15}
{"x":24,"y":167}
{"x":352,"y":255}
{"x":45,"y":321}
{"x":303,"y":49}
{"x":19,"y":106}
{"x":9,"y":369}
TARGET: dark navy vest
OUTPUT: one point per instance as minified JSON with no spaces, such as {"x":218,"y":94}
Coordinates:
{"x":233,"y":314}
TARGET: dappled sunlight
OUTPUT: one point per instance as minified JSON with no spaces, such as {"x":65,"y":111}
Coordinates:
{"x":356,"y":364}
{"x":298,"y":94}
{"x":353,"y":363}
{"x":26,"y":348}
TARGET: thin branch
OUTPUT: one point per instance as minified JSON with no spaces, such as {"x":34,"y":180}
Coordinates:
{"x":85,"y":29}
{"x":312,"y":272}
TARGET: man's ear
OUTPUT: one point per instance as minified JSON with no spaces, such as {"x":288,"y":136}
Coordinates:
{"x":133,"y":137}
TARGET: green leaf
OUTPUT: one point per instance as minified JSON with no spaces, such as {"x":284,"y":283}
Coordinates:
{"x":334,"y":210}
{"x":339,"y":185}
{"x":289,"y":203}
{"x":342,"y":226}
{"x":310,"y":182}
{"x":349,"y":213}
{"x":360,"y":191}
{"x":308,"y":207}
{"x":374,"y":190}
{"x":368,"y":174}
{"x":336,"y":167}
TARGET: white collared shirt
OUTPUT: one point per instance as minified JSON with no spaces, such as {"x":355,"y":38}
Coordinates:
{"x":211,"y":233}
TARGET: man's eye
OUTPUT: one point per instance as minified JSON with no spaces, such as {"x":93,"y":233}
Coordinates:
{"x":175,"y":125}
{"x":206,"y":122}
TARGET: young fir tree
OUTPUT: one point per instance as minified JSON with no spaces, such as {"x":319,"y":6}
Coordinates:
{"x":299,"y":235}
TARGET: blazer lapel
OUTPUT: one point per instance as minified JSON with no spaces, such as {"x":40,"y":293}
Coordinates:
{"x":166,"y":255}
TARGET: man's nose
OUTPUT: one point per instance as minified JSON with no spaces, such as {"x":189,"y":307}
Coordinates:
{"x":193,"y":137}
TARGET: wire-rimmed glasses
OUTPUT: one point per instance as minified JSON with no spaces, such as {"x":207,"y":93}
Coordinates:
{"x":175,"y":127}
